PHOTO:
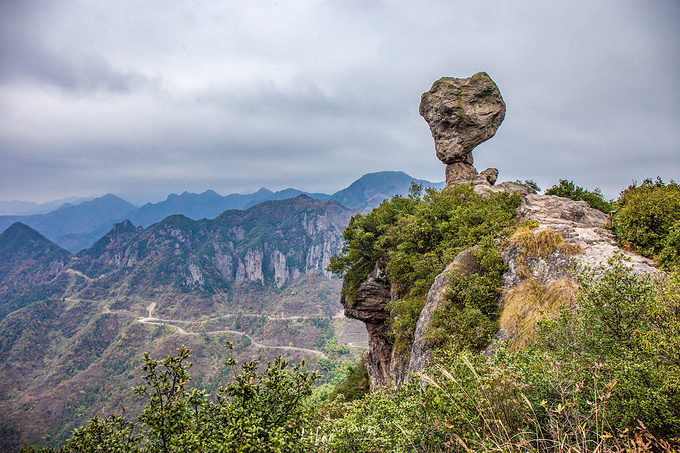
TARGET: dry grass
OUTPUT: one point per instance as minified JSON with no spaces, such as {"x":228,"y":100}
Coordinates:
{"x":542,"y":243}
{"x":530,"y":302}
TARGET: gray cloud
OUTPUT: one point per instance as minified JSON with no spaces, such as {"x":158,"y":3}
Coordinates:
{"x":145,"y":99}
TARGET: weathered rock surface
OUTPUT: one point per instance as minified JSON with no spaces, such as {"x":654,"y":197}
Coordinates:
{"x":579,"y":224}
{"x":462,"y":113}
{"x":368,"y":305}
{"x":507,"y":186}
{"x":372,"y":296}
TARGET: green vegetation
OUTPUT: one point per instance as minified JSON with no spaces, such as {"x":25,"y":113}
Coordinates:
{"x":594,"y":366}
{"x":257,"y":411}
{"x":648,"y":220}
{"x":354,"y":386}
{"x":529,"y":183}
{"x":570,"y":190}
{"x":467,"y":319}
{"x":413,"y":238}
{"x":603,"y":378}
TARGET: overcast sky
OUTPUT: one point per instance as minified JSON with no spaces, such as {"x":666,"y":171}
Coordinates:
{"x":147,"y":98}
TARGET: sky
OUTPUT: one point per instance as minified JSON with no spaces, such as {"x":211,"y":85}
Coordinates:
{"x":144,"y":99}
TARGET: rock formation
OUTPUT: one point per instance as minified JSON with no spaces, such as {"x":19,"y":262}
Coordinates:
{"x":462,"y":113}
{"x":368,"y":305}
{"x":579,"y":224}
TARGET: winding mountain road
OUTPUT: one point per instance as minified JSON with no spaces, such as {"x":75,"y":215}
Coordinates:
{"x":173,"y":323}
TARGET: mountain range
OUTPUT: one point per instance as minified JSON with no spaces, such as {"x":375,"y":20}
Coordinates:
{"x":75,"y":227}
{"x":78,"y":312}
{"x":74,"y":328}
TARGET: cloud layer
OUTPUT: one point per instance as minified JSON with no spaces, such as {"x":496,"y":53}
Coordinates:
{"x":145,"y":99}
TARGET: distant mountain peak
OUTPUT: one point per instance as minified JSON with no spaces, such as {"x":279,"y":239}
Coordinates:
{"x":19,"y":234}
{"x":28,"y":257}
{"x":120,"y":233}
{"x":371,"y":189}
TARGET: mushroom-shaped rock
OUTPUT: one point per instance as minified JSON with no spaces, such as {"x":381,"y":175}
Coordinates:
{"x":462,"y":113}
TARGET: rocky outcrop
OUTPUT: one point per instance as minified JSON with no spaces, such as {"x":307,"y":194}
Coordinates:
{"x":581,"y":225}
{"x":579,"y":240}
{"x":368,"y":305}
{"x":462,"y":113}
{"x":507,"y":186}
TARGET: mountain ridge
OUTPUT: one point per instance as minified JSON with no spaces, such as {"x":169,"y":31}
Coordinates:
{"x":76,"y":227}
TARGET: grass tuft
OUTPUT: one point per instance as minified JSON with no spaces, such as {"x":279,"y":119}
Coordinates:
{"x":530,"y":302}
{"x":542,"y":243}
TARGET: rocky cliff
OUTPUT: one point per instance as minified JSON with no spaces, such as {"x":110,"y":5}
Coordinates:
{"x":270,"y":243}
{"x":562,"y":236}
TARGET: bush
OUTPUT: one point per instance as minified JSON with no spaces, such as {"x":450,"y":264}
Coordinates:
{"x":624,"y":328}
{"x":258,"y":412}
{"x":570,"y":190}
{"x":603,"y":377}
{"x":414,"y":238}
{"x":404,"y":314}
{"x":355,"y":386}
{"x":467,"y":318}
{"x":648,"y":220}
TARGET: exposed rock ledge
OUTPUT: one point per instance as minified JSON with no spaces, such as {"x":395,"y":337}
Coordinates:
{"x":579,"y":224}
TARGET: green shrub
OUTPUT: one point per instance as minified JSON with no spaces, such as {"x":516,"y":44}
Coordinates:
{"x":625,"y":328}
{"x":413,"y":239}
{"x":605,"y":377}
{"x":404,"y":314}
{"x":467,"y":318}
{"x":570,"y":190}
{"x":648,"y":219}
{"x":355,"y":386}
{"x":258,"y":412}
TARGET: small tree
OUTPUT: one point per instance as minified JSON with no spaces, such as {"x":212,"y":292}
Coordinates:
{"x":257,"y":412}
{"x":648,"y":220}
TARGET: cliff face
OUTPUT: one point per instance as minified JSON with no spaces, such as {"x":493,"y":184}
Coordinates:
{"x":368,"y":306}
{"x":270,"y":243}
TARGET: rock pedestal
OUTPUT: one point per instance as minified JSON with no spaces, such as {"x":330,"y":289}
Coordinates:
{"x":462,"y":113}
